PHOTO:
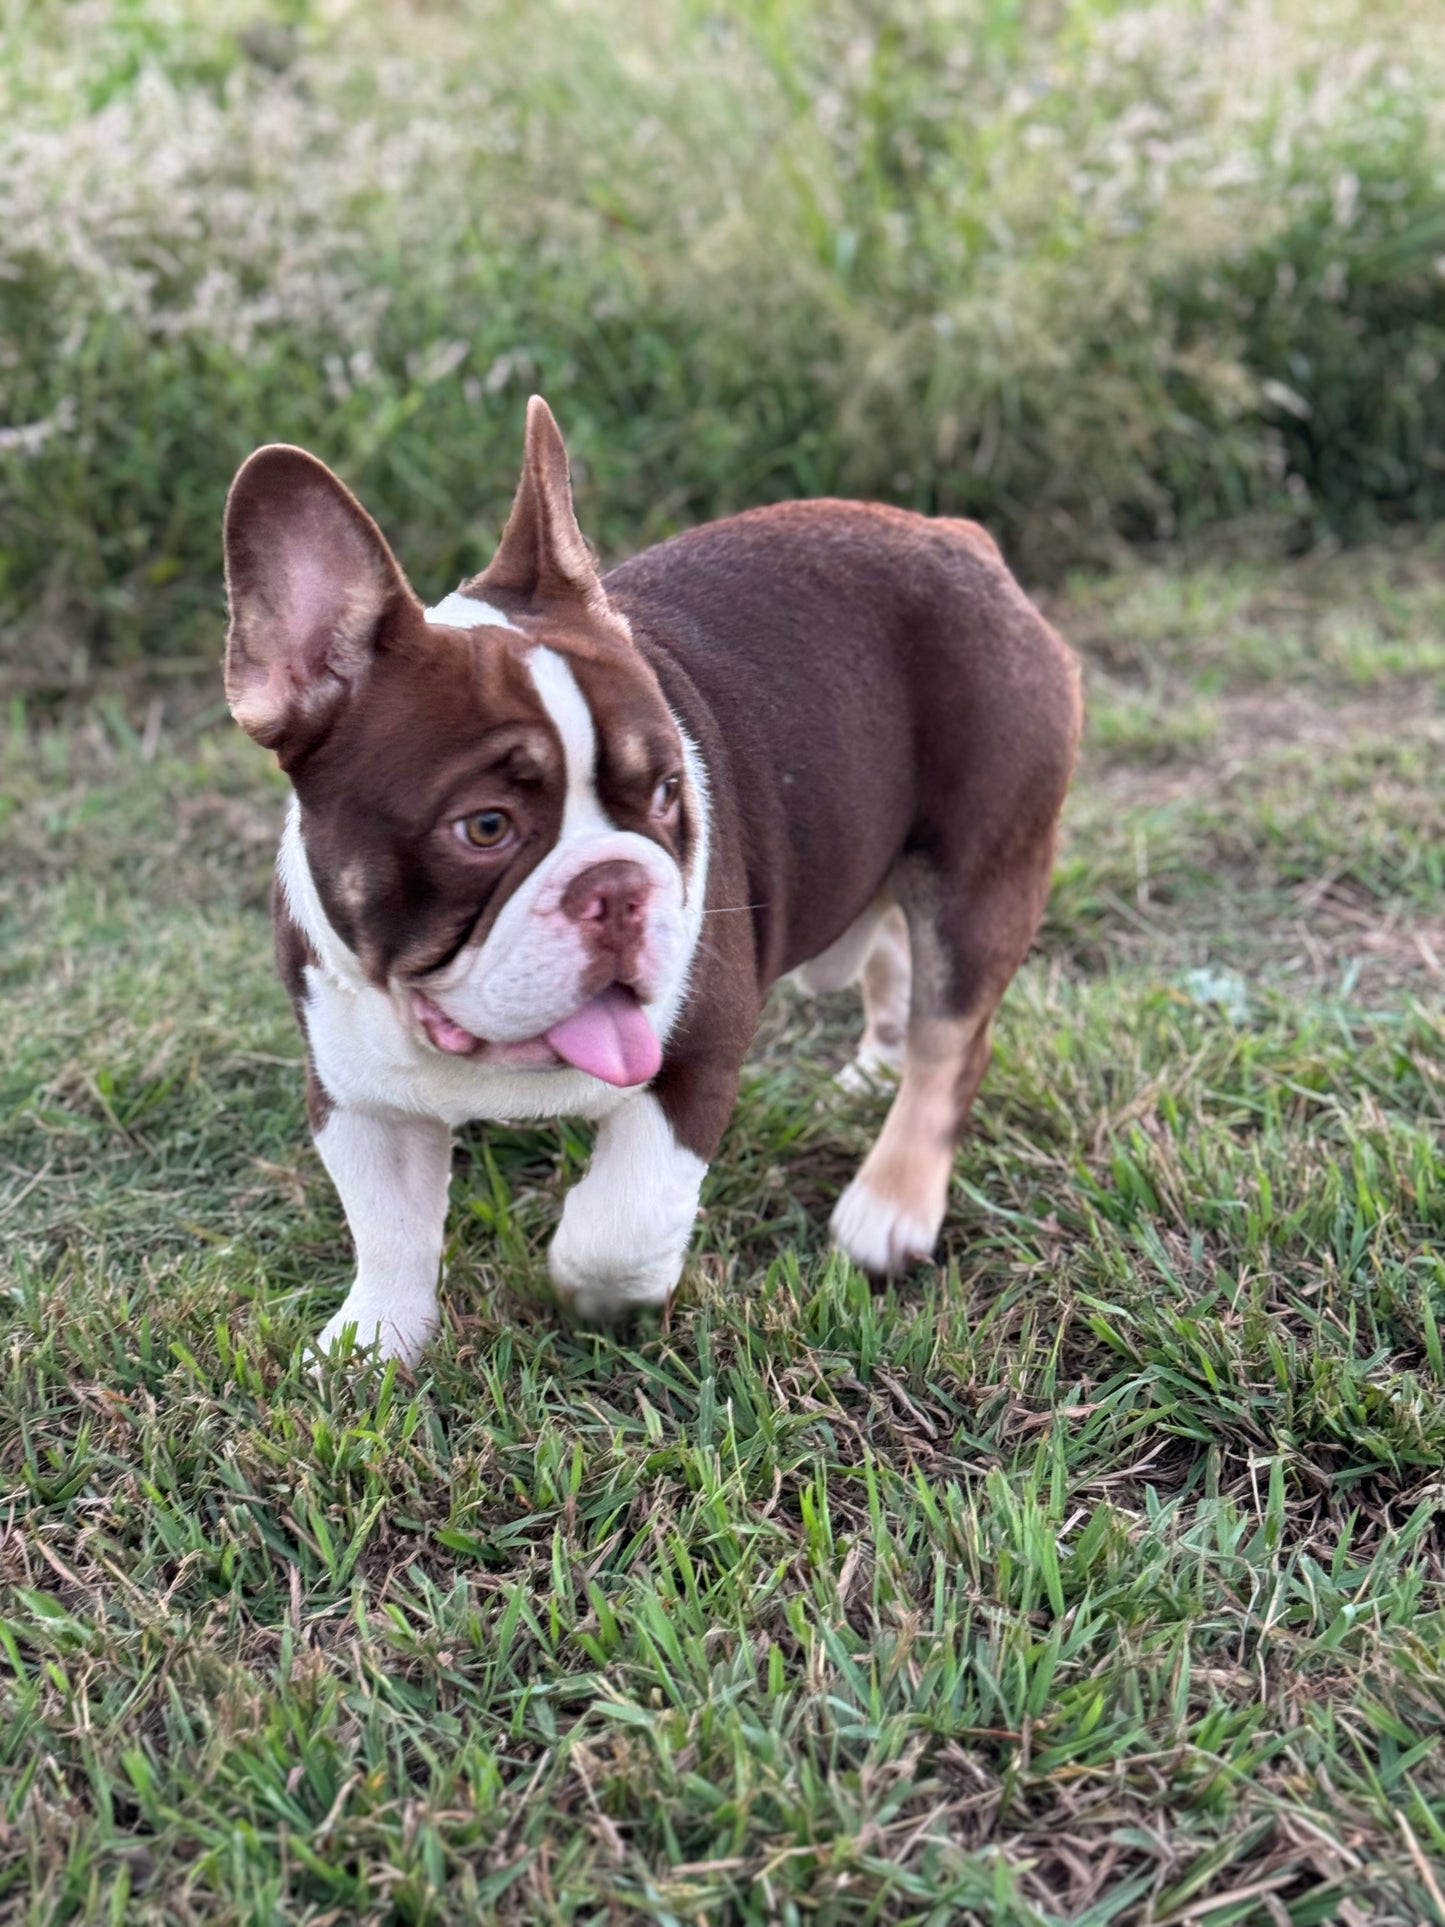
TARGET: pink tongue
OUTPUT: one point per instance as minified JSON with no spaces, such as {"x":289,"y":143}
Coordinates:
{"x":610,"y":1037}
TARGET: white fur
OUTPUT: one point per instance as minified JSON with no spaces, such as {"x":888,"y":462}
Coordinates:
{"x":879,"y":1234}
{"x":891,"y":1214}
{"x":458,"y":611}
{"x":875,"y":948}
{"x":697,"y":794}
{"x":564,"y":702}
{"x":386,"y":1144}
{"x":298,"y":887}
{"x":625,"y":1227}
{"x":369,"y":1054}
{"x":871,"y":1071}
{"x":391,"y":1174}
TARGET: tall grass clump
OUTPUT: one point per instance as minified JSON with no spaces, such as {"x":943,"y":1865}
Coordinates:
{"x":1089,"y":271}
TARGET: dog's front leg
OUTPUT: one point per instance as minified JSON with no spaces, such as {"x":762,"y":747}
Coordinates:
{"x":391,"y":1172}
{"x":625,"y":1227}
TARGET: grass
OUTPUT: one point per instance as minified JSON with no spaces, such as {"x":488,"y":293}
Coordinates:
{"x":1098,"y":1576}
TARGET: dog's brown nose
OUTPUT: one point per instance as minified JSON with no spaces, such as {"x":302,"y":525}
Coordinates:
{"x":609,"y":901}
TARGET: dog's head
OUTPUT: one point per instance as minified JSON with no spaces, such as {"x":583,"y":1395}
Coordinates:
{"x":499,"y":820}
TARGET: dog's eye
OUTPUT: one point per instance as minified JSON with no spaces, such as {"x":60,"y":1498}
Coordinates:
{"x":664,"y":797}
{"x":484,"y":829}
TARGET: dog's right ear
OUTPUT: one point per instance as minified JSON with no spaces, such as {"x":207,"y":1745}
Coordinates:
{"x":310,"y":582}
{"x":543,"y":556}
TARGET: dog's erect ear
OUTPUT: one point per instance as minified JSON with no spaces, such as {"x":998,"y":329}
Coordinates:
{"x":310,"y":580}
{"x":542,"y":554}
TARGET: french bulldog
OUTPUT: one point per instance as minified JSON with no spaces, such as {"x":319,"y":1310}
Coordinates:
{"x":552,"y":839}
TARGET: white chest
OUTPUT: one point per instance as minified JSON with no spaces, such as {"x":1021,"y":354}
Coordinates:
{"x":368,"y":1060}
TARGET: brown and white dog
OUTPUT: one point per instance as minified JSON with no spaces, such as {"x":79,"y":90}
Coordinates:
{"x":553,"y":839}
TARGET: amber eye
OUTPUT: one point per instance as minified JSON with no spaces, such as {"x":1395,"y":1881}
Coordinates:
{"x":485,"y":829}
{"x":666,"y":795}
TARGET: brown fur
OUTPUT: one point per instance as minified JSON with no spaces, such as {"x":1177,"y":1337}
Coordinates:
{"x":879,"y":706}
{"x":884,"y":718}
{"x":390,"y":728}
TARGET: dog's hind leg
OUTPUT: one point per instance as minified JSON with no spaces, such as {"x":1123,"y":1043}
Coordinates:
{"x":966,"y":945}
{"x":872,"y":951}
{"x":844,"y":961}
{"x":887,"y":981}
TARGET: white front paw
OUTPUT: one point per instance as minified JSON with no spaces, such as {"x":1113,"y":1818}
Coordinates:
{"x":387,"y":1330}
{"x":884,"y":1236}
{"x":626,"y":1226}
{"x":601,"y":1290}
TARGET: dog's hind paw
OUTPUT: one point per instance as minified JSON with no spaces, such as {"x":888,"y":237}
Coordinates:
{"x":881,"y":1235}
{"x":868,"y":1074}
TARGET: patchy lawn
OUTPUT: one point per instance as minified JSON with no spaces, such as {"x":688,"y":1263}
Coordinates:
{"x":1098,"y":1576}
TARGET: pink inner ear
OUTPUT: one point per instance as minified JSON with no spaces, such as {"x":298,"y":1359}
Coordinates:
{"x":310,"y":591}
{"x":325,"y":590}
{"x":302,"y":630}
{"x":310,"y":578}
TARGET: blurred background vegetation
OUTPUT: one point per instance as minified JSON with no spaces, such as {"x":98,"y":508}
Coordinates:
{"x":1096,"y":272}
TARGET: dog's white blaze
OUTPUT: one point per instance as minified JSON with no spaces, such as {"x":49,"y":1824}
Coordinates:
{"x":582,"y":814}
{"x":366,"y":1050}
{"x":369,"y":1057}
{"x":526,"y":975}
{"x":458,"y":611}
{"x":625,"y":1228}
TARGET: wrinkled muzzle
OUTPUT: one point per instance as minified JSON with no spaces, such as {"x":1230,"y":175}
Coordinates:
{"x":579,"y":959}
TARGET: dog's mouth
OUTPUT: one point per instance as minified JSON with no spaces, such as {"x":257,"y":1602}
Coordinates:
{"x":609,"y":1037}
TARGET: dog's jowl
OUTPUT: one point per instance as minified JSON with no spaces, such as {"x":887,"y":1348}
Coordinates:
{"x":552,"y":840}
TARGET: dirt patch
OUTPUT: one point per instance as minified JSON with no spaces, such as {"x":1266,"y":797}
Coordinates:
{"x":1254,"y":727}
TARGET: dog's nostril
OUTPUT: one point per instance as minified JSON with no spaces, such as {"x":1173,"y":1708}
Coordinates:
{"x":608,"y":894}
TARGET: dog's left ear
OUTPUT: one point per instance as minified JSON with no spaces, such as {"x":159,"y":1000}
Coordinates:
{"x":542,"y":555}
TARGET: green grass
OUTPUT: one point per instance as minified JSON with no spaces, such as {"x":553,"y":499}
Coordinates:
{"x":1098,"y":1576}
{"x":1094,"y":271}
